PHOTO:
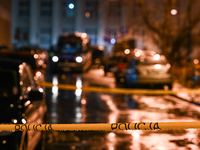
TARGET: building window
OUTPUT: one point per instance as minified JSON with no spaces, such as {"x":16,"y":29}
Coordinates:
{"x":45,"y":30}
{"x":93,"y":40}
{"x":45,"y":8}
{"x":92,"y":31}
{"x":114,"y":9}
{"x":24,"y":7}
{"x":67,"y":10}
{"x":21,"y":34}
{"x":68,"y":30}
{"x":91,"y":9}
{"x":45,"y":37}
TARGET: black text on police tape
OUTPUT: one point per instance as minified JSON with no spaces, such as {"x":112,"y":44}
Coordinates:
{"x":36,"y":127}
{"x":136,"y":126}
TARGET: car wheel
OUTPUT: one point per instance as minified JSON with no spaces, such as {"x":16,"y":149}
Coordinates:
{"x":127,"y":84}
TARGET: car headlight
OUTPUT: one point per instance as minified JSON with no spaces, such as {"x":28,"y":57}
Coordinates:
{"x":23,"y":120}
{"x":55,"y":58}
{"x":156,"y":57}
{"x":14,"y":121}
{"x":79,"y":59}
{"x":157,"y":66}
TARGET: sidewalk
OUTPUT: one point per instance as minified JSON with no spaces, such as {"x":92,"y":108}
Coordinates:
{"x":193,"y":98}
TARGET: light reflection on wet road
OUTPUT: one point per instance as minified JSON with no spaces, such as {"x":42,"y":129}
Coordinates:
{"x":65,"y":106}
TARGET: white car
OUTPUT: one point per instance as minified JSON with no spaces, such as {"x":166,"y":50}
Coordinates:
{"x":148,"y":71}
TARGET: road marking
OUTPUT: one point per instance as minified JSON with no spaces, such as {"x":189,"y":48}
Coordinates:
{"x":118,"y":90}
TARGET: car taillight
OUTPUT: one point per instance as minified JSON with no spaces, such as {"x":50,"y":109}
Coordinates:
{"x":120,"y":66}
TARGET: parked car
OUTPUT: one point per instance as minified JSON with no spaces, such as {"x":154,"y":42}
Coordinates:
{"x":41,"y":55}
{"x":21,"y":102}
{"x":146,"y":71}
{"x":111,"y":64}
{"x":28,"y":57}
{"x":196,"y":71}
{"x":97,"y":54}
{"x":190,"y":73}
{"x":72,"y":54}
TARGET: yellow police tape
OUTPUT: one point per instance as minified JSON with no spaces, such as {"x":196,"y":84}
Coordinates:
{"x":118,"y":90}
{"x":102,"y":126}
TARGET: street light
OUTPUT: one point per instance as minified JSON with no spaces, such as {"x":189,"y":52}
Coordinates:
{"x":71,"y":6}
{"x":174,"y":11}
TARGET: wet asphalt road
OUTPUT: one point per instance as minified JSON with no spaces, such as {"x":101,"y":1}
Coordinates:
{"x":65,"y":106}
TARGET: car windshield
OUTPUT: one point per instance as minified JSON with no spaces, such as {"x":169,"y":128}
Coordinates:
{"x":8,"y":84}
{"x":151,"y":61}
{"x":70,"y":48}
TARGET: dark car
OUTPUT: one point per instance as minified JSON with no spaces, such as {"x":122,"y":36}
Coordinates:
{"x":28,"y":57}
{"x":41,"y":55}
{"x":21,"y":102}
{"x":111,"y":64}
{"x":97,"y":54}
{"x":146,"y":72}
{"x":72,"y":54}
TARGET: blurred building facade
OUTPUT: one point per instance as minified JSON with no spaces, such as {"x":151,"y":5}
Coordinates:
{"x":40,"y":22}
{"x":5,"y":23}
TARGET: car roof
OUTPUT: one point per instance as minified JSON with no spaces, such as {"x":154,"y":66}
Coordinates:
{"x":30,"y":49}
{"x":12,"y":52}
{"x":24,"y":56}
{"x":6,"y":63}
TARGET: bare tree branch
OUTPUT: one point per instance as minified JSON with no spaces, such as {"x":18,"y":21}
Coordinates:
{"x":173,"y":33}
{"x":146,"y":19}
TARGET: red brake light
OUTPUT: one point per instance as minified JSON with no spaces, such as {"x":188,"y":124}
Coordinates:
{"x":120,"y":66}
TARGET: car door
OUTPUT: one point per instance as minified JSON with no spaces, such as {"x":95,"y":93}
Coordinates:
{"x":34,"y":110}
